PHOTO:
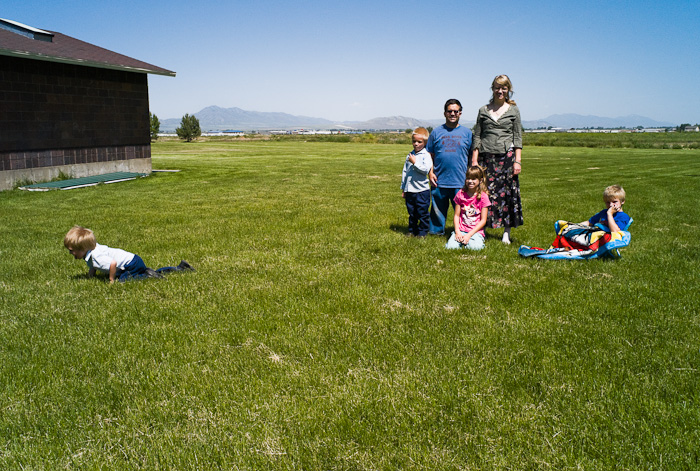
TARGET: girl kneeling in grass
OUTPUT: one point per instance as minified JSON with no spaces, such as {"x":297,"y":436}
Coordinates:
{"x":471,"y":210}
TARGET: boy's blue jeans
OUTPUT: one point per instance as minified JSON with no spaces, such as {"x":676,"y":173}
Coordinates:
{"x":136,"y":269}
{"x":418,"y":207}
{"x":441,"y":204}
{"x":133,"y":270}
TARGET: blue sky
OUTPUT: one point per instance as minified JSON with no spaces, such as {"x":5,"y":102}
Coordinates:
{"x":357,"y":60}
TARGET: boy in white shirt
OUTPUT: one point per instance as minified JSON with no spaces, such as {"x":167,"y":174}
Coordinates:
{"x":117,"y":263}
{"x":415,"y":185}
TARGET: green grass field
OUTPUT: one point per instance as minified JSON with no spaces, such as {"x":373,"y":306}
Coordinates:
{"x":314,"y":335}
{"x":625,"y":140}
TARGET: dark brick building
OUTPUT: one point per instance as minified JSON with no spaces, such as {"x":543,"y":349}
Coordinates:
{"x":69,"y":106}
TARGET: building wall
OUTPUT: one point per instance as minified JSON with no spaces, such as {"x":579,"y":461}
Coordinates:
{"x":74,"y":119}
{"x":45,"y":165}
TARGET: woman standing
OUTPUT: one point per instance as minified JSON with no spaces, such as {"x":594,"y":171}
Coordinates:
{"x":498,"y":143}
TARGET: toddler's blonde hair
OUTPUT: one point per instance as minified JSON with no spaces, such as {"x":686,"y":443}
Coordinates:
{"x":614,"y":192}
{"x":422,"y":132}
{"x":80,"y":238}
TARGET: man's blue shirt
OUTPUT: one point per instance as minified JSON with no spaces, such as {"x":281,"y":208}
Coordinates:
{"x":451,"y":154}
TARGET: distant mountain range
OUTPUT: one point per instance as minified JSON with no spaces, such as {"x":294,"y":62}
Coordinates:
{"x":214,"y":118}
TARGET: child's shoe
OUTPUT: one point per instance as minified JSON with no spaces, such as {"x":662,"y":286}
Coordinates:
{"x":151,"y":273}
{"x":185,"y":266}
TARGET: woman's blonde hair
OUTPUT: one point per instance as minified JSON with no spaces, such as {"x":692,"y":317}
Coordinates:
{"x":503,"y":81}
{"x":80,"y":238}
{"x":476,"y":172}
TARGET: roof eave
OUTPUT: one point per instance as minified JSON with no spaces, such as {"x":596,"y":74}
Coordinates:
{"x":68,"y":60}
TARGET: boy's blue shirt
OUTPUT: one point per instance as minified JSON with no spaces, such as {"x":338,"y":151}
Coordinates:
{"x":621,"y":218}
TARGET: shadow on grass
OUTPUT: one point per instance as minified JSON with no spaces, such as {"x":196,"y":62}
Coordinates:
{"x":403,"y":229}
{"x":104,"y":278}
{"x":85,"y":276}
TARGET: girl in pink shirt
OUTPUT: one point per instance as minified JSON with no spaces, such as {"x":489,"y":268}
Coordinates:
{"x":471,"y":209}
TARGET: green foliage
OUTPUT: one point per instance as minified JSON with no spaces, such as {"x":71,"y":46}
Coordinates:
{"x":189,"y":128}
{"x":155,"y":127}
{"x":365,"y":138}
{"x":22,"y":182}
{"x":307,"y":137}
{"x":630,"y":140}
{"x":315,"y":335}
{"x":61,"y":176}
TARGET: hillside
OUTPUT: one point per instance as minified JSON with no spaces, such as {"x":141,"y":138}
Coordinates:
{"x":215,"y":118}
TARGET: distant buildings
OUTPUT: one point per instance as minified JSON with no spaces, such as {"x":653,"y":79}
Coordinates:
{"x":604,"y":131}
{"x":228,"y":132}
{"x":313,"y":131}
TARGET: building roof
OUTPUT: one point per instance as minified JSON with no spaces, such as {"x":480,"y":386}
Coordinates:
{"x":19,"y":40}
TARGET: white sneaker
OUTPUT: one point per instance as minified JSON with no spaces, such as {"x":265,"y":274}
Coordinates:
{"x":506,"y":238}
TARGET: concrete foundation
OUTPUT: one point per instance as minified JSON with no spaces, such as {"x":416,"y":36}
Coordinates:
{"x":10,"y":179}
{"x":42,"y":166}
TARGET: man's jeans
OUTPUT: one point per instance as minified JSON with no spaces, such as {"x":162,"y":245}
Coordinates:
{"x":441,"y":204}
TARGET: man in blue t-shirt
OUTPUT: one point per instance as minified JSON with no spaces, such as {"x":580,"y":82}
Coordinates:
{"x":450,"y":146}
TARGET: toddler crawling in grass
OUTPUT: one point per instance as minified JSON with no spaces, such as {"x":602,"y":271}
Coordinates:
{"x":117,"y":263}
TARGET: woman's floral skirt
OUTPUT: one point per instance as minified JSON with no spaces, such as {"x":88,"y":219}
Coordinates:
{"x":504,"y":190}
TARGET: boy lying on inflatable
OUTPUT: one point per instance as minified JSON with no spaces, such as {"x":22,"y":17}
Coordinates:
{"x":601,"y":236}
